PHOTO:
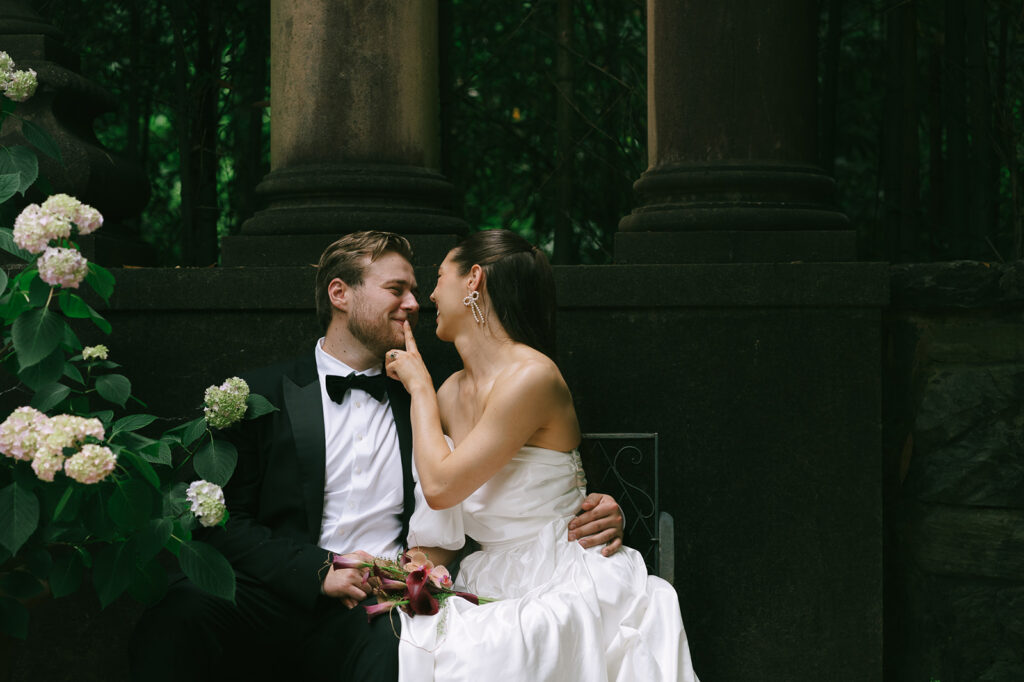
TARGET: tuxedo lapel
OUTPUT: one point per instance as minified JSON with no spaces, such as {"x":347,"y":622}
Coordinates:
{"x":399,"y":400}
{"x":305,"y":411}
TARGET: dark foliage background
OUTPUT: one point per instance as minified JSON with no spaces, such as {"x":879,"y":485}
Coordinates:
{"x":543,"y":117}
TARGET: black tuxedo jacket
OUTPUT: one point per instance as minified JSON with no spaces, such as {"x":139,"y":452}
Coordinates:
{"x":276,"y":496}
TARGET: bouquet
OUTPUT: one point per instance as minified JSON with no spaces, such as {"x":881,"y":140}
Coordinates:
{"x":413,"y":584}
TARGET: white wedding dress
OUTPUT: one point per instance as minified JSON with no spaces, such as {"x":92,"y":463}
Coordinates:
{"x":564,"y":612}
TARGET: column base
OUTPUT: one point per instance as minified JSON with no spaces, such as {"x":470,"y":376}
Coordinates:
{"x":736,"y":246}
{"x":305,"y":249}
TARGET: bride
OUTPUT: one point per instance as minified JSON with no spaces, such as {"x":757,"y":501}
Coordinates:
{"x":495,"y":453}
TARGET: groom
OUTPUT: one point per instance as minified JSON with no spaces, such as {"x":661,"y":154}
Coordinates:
{"x":330,"y":472}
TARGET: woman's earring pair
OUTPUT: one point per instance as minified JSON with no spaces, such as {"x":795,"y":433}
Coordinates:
{"x":471,"y":303}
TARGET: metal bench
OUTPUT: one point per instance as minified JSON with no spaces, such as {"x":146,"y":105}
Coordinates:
{"x":625,"y":465}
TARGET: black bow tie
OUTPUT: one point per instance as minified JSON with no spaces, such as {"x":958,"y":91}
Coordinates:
{"x":375,"y":385}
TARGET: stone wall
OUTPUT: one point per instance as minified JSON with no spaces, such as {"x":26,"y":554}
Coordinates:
{"x":763,"y":381}
{"x":954,"y":446}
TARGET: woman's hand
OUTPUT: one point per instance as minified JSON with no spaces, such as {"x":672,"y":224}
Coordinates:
{"x":407,"y":365}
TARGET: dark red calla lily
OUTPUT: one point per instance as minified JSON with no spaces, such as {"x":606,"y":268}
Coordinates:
{"x":421,"y":602}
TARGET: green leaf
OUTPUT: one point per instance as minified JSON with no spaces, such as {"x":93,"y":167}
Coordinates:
{"x":100,"y":279}
{"x":112,"y":571}
{"x":38,"y":290}
{"x":208,"y":569}
{"x":157,"y":452}
{"x":215,"y":461}
{"x":66,"y":575}
{"x":41,"y":140}
{"x":70,"y":340}
{"x":130,"y":505}
{"x":63,"y":503}
{"x":20,"y":584}
{"x":43,"y":373}
{"x":13,"y":618}
{"x":151,"y":539}
{"x":19,"y":516}
{"x":73,"y":306}
{"x":21,"y":160}
{"x":188,"y":433}
{"x":39,"y":562}
{"x":9,"y":185}
{"x":73,"y":373}
{"x":114,"y":388}
{"x":143,"y":467}
{"x":105,"y":416}
{"x":12,"y":305}
{"x":8,"y":245}
{"x":132,"y":422}
{"x":49,"y":396}
{"x":258,"y":406}
{"x":149,"y":582}
{"x":35,"y":334}
{"x":3,"y":280}
{"x":99,"y":321}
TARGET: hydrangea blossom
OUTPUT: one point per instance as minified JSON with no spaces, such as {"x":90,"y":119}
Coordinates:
{"x":207,"y":502}
{"x":87,"y":219}
{"x":17,"y":85}
{"x":91,"y":464}
{"x":19,"y":433}
{"x":20,"y":85}
{"x":47,"y":463}
{"x":62,"y":267}
{"x":68,"y":430}
{"x":35,"y":228}
{"x":95,"y":352}
{"x":225,"y":404}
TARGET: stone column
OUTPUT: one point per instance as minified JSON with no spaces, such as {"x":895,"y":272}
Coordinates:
{"x":732,"y":128}
{"x":64,"y":106}
{"x":355,"y":142}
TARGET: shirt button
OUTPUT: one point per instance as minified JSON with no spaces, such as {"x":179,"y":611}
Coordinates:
{"x":358,"y":404}
{"x":359,"y":470}
{"x":359,"y":437}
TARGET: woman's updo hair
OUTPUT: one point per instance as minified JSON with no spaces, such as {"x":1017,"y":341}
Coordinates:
{"x":519,"y":281}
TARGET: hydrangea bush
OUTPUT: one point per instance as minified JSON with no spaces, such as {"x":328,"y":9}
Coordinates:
{"x":91,"y":493}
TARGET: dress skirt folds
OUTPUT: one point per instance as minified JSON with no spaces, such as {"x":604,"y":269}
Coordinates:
{"x":563,"y":612}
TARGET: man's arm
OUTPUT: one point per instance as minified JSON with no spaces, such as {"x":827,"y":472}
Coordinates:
{"x":599,"y":523}
{"x":280,"y":560}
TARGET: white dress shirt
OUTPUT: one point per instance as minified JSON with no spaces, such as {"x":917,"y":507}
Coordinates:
{"x":363,"y":476}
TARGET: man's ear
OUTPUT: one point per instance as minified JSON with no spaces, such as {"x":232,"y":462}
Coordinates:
{"x":340,"y":294}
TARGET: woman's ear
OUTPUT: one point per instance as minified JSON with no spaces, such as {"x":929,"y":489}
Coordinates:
{"x":476,"y":278}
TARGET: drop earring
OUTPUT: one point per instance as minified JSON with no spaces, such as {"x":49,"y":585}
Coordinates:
{"x":471,"y":303}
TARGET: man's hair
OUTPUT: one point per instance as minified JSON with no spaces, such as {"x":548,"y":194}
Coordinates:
{"x":345,"y":260}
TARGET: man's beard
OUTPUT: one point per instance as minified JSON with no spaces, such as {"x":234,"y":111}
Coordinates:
{"x":375,"y":332}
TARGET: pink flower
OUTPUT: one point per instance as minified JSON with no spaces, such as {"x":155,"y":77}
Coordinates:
{"x":20,"y":432}
{"x":87,"y":219}
{"x":35,"y":228}
{"x":91,"y":464}
{"x":440,"y":577}
{"x":416,"y":560}
{"x":377,"y":609}
{"x":63,"y":267}
{"x":46,"y":463}
{"x":339,"y":561}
